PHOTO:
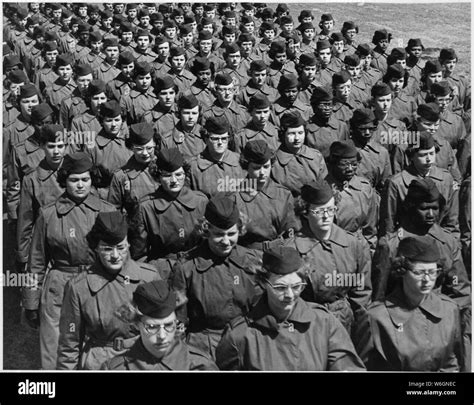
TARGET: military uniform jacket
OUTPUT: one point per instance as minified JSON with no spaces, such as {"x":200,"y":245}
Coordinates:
{"x":94,"y":60}
{"x":120,"y":87}
{"x":57,"y":93}
{"x":148,"y":56}
{"x":106,"y":72}
{"x":236,"y":115}
{"x":282,"y":106}
{"x":39,"y":188}
{"x":453,"y":282}
{"x":294,"y":170}
{"x":403,"y":108}
{"x":269,"y":134}
{"x":239,"y":76}
{"x":425,"y":338}
{"x":371,"y":76}
{"x":90,"y":302}
{"x":248,"y":91}
{"x":183,"y":80}
{"x":344,"y":110}
{"x":358,"y":207}
{"x":270,"y":211}
{"x":320,"y":135}
{"x":130,"y":184}
{"x":163,"y":120}
{"x":84,"y":127}
{"x":181,"y":357}
{"x":59,"y":238}
{"x":379,"y":61}
{"x":210,"y":177}
{"x":452,"y":129}
{"x":204,"y":95}
{"x":167,"y":225}
{"x":190,"y":144}
{"x":44,"y":78}
{"x":276,"y":71}
{"x":395,"y":192}
{"x":311,"y":339}
{"x":137,"y":104}
{"x":340,"y":273}
{"x":73,"y":106}
{"x":218,"y":289}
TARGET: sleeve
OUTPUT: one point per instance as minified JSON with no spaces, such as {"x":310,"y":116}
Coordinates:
{"x":449,"y":218}
{"x":386,"y":172}
{"x":64,"y":114}
{"x":455,"y":357}
{"x":341,"y":352}
{"x":25,"y":221}
{"x":370,"y":228}
{"x":37,"y":263}
{"x":179,"y":282}
{"x":287,"y":222}
{"x":138,"y":236}
{"x":71,"y":330}
{"x":380,"y":269}
{"x":228,"y":353}
{"x":388,"y":208}
{"x":115,"y":191}
{"x":13,"y":185}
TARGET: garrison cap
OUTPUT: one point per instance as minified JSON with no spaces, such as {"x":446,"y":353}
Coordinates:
{"x":223,"y":79}
{"x":125,"y":58}
{"x":282,"y":260}
{"x":286,"y":19}
{"x":63,"y":60}
{"x":364,"y":49}
{"x":17,"y":76}
{"x":447,"y":54}
{"x":292,"y":119}
{"x":321,"y":94}
{"x":343,"y":150}
{"x":352,"y":60}
{"x":305,"y":26}
{"x":322,"y":44}
{"x":429,"y":111}
{"x":109,"y":227}
{"x":77,"y":163}
{"x":362,"y":116}
{"x":341,"y":77}
{"x":258,"y":101}
{"x":51,"y":133}
{"x":96,"y":86}
{"x":164,"y":83}
{"x":187,"y":101}
{"x":27,"y":91}
{"x":394,"y":71}
{"x":10,"y":61}
{"x":232,"y":48}
{"x":412,"y":42}
{"x":349,"y":25}
{"x":277,"y":47}
{"x":419,"y":248}
{"x":432,"y":67}
{"x":380,"y":35}
{"x":398,"y":53}
{"x":95,"y":36}
{"x":440,"y":89}
{"x":305,"y":14}
{"x":380,"y":89}
{"x":200,"y":64}
{"x":257,"y":151}
{"x":83,"y":69}
{"x":169,"y":160}
{"x":155,"y":299}
{"x":287,"y":81}
{"x":257,"y":66}
{"x":422,"y":190}
{"x":185,"y":29}
{"x":217,"y":125}
{"x":336,"y":37}
{"x":425,"y":141}
{"x":317,"y":192}
{"x":40,"y":112}
{"x":141,"y":133}
{"x":83,"y":27}
{"x":308,"y":59}
{"x":50,"y":46}
{"x":326,"y":17}
{"x":110,"y":109}
{"x":222,"y":211}
{"x":110,"y":42}
{"x":142,"y":68}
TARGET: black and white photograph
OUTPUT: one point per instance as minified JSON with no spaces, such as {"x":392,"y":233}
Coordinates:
{"x":247,"y":187}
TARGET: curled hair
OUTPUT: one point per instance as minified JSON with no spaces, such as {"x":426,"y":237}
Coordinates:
{"x":302,"y":206}
{"x":63,"y":175}
{"x":401,"y":264}
{"x":156,"y":172}
{"x":202,"y":226}
{"x":262,"y":275}
{"x":283,"y":129}
{"x":244,"y":163}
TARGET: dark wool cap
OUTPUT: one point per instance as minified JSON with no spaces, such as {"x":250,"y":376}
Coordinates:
{"x":419,"y":248}
{"x":155,"y":299}
{"x":286,"y":19}
{"x":206,"y":21}
{"x":96,"y":87}
{"x":364,"y":50}
{"x":305,"y":14}
{"x":185,"y":29}
{"x":83,"y":70}
{"x":83,"y":27}
{"x":164,"y":83}
{"x":187,"y":101}
{"x":336,"y":37}
{"x":27,"y":91}
{"x":322,"y":44}
{"x":95,"y":36}
{"x":306,"y":26}
{"x":11,"y":61}
{"x":321,"y":94}
{"x":352,"y":60}
{"x":246,"y":37}
{"x":349,"y":25}
{"x":447,"y":54}
{"x":398,"y":53}
{"x":50,"y":46}
{"x":440,"y":89}
{"x":277,"y":47}
{"x":110,"y":109}
{"x":109,"y":227}
{"x":125,"y":58}
{"x":412,"y":42}
{"x":142,"y":33}
{"x":126,"y":27}
{"x":226,"y":30}
{"x":343,"y":150}
{"x":142,"y":68}
{"x":77,"y":163}
{"x":223,"y":79}
{"x":282,"y":260}
{"x":257,"y":152}
{"x":394,"y":71}
{"x":258,"y":101}
{"x":177,"y":51}
{"x":232,"y":48}
{"x":217,"y":125}
{"x":432,"y":67}
{"x":308,"y":59}
{"x":200,"y":64}
{"x":281,"y":8}
{"x":341,"y":77}
{"x":169,"y":160}
{"x":106,"y":14}
{"x":17,"y":76}
{"x":23,"y":13}
{"x":287,"y":81}
{"x":362,"y":116}
{"x":425,"y":141}
{"x":317,"y":192}
{"x":141,"y":133}
{"x":204,"y":35}
{"x":429,"y":111}
{"x":157,"y":17}
{"x":64,"y":60}
{"x":422,"y":190}
{"x":380,"y":89}
{"x":222,"y":211}
{"x":326,"y":17}
{"x":51,"y":133}
{"x":291,"y":119}
{"x":381,"y":34}
{"x":257,"y":66}
{"x":110,"y":41}
{"x":40,"y":112}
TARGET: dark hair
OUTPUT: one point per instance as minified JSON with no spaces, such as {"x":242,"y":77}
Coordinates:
{"x":63,"y":175}
{"x":263,"y":275}
{"x":244,"y":163}
{"x":156,"y":172}
{"x":282,"y":132}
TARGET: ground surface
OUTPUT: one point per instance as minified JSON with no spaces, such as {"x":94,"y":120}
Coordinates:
{"x":438,"y":25}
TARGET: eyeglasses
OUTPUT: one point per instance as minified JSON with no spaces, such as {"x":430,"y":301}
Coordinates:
{"x":108,"y":250}
{"x":219,"y":138}
{"x":321,"y":211}
{"x":281,"y":288}
{"x":431,"y":273}
{"x":154,"y":329}
{"x":141,"y":149}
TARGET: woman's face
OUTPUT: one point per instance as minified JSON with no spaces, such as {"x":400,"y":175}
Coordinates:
{"x":158,"y":334}
{"x":173,"y":182}
{"x":144,"y":153}
{"x":260,"y":172}
{"x":113,"y":257}
{"x":294,"y":138}
{"x":283,"y":291}
{"x":420,"y":279}
{"x":321,"y":217}
{"x":112,"y":125}
{"x":222,"y":241}
{"x":78,"y":186}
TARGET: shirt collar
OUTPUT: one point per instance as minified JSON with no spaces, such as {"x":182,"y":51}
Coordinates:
{"x":206,"y":259}
{"x":205,"y":161}
{"x":44,"y":171}
{"x":64,"y":204}
{"x":186,"y":198}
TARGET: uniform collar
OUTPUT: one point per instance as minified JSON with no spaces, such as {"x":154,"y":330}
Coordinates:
{"x":206,"y":258}
{"x":205,"y":161}
{"x":285,"y":157}
{"x":354,"y":184}
{"x":269,"y":190}
{"x":163,"y":200}
{"x":338,"y":236}
{"x":32,"y":144}
{"x":320,"y":123}
{"x":64,"y":204}
{"x":103,"y":140}
{"x":44,"y":171}
{"x":133,"y":168}
{"x":138,"y":358}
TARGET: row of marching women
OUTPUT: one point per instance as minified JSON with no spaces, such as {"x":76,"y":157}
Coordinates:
{"x":228,"y":187}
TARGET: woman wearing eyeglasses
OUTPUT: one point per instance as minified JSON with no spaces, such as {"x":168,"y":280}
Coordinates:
{"x":134,"y":181}
{"x":166,"y":220}
{"x":340,"y":262}
{"x":90,"y":332}
{"x":415,"y":329}
{"x":160,"y":346}
{"x":218,"y":276}
{"x":282,"y":332}
{"x":296,"y":164}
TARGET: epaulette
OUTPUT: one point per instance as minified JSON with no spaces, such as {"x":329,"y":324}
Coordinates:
{"x":147,"y":266}
{"x":234,"y":323}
